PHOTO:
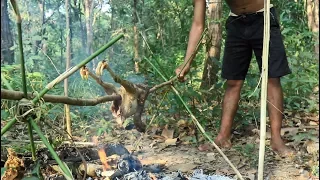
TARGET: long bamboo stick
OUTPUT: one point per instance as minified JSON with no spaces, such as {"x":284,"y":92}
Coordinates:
{"x":50,"y":148}
{"x":23,"y":71}
{"x":194,"y":119}
{"x":264,"y":87}
{"x":75,"y":68}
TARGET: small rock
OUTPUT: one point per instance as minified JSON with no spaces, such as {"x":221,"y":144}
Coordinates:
{"x":210,"y":157}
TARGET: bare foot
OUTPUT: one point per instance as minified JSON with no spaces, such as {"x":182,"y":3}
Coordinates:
{"x":281,"y":149}
{"x":223,"y":142}
{"x":219,"y":141}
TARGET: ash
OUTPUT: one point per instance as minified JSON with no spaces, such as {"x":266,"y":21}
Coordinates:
{"x":196,"y":175}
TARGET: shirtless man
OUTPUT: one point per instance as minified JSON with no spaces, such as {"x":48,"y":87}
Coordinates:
{"x":244,"y":34}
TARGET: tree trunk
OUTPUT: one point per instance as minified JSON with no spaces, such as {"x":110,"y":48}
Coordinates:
{"x":38,"y":44}
{"x":213,"y":45}
{"x":313,"y":21}
{"x":136,"y":36}
{"x":88,"y":9}
{"x":77,"y":17}
{"x":112,"y":27}
{"x":7,"y":55}
{"x":68,"y":59}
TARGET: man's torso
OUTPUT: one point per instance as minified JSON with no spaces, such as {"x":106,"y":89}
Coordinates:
{"x":245,"y":6}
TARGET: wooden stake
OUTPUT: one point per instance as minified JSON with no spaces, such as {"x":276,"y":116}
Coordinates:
{"x":264,"y":87}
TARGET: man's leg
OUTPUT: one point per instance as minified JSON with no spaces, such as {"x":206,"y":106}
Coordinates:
{"x":229,"y":109}
{"x":275,"y":109}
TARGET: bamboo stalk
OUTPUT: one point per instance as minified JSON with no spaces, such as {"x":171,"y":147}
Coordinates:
{"x":50,"y":148}
{"x":8,"y":126}
{"x":75,"y":68}
{"x":33,"y":149}
{"x":23,"y":71}
{"x":264,"y":88}
{"x":194,"y":119}
{"x":5,"y":81}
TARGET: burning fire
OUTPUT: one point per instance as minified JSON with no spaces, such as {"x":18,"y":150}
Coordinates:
{"x":102,"y":154}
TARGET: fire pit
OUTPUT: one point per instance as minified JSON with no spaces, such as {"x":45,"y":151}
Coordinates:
{"x":108,"y":161}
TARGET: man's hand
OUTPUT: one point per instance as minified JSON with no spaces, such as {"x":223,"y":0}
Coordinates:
{"x":181,"y":73}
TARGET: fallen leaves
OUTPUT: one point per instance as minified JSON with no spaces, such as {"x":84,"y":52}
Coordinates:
{"x":311,"y":146}
{"x":171,"y":142}
{"x":13,"y":165}
{"x":167,"y":133}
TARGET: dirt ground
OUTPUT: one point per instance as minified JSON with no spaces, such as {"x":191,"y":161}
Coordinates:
{"x":244,"y":155}
{"x":177,"y":150}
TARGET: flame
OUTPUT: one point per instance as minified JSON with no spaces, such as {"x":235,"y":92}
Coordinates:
{"x":102,"y":154}
{"x":103,"y":157}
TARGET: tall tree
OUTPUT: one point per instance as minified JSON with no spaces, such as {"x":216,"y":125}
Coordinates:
{"x":136,"y":36}
{"x":88,"y":9}
{"x":313,"y":20}
{"x":7,"y":55}
{"x":68,"y":59}
{"x":77,"y":16}
{"x":41,"y":4}
{"x":213,"y":45}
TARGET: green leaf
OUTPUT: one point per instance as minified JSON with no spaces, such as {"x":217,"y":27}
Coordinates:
{"x":3,"y":170}
{"x":4,"y":114}
{"x":65,"y":175}
{"x":37,"y":38}
{"x":31,"y":178}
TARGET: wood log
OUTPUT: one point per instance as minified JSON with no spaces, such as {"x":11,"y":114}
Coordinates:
{"x":18,"y":95}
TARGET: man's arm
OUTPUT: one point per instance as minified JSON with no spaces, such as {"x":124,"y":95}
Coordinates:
{"x":197,"y":28}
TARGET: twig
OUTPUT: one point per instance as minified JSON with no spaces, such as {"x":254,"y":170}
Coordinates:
{"x":17,"y":95}
{"x":49,"y":59}
{"x":154,"y":88}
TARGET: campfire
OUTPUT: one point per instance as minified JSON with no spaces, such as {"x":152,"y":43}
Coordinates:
{"x":103,"y":161}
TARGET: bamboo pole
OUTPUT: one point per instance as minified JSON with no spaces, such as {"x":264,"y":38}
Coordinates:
{"x":8,"y":126}
{"x":264,"y":87}
{"x":75,"y":68}
{"x":33,"y":148}
{"x":23,"y":71}
{"x":194,"y":119}
{"x":50,"y":148}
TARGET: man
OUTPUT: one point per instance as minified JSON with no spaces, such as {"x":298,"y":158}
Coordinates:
{"x":244,"y":27}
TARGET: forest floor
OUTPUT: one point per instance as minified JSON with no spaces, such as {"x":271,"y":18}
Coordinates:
{"x":186,"y":157}
{"x":177,"y":150}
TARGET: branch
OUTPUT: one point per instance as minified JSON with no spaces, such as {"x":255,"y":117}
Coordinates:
{"x":156,"y":87}
{"x":17,"y":95}
{"x":129,"y":86}
{"x":108,"y":87}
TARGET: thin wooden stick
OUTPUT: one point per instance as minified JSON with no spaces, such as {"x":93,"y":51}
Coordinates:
{"x":264,"y":88}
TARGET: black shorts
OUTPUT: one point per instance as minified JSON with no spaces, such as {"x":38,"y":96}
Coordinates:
{"x":244,"y":35}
